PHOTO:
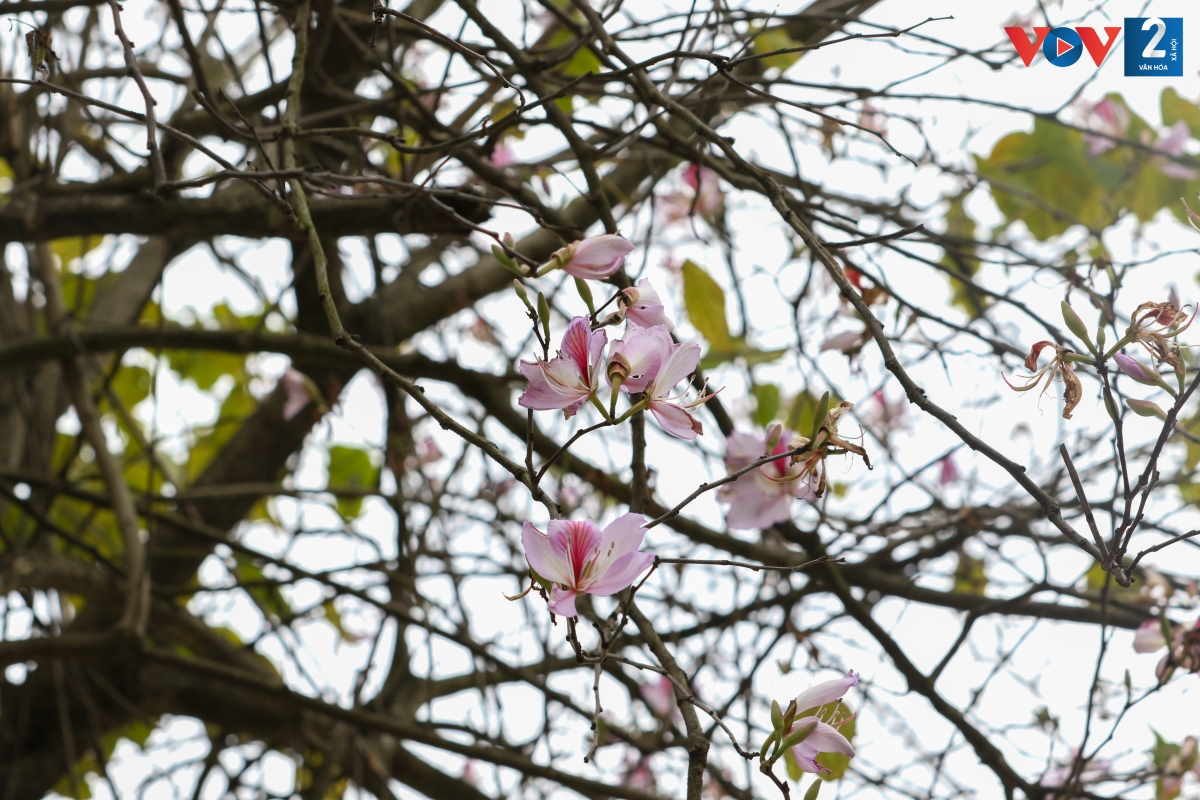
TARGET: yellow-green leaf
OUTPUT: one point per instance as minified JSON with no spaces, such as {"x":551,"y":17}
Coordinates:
{"x":704,"y":300}
{"x":766,"y":396}
{"x":351,"y":468}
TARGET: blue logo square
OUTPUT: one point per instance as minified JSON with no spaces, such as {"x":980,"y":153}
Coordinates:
{"x":1154,"y":46}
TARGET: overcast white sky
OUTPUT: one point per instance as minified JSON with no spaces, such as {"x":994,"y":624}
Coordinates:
{"x":1060,"y":657}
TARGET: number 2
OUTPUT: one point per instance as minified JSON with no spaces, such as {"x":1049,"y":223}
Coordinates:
{"x":1150,"y":52}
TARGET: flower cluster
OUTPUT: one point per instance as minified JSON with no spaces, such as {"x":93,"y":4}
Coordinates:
{"x":809,"y":725}
{"x":646,"y":361}
{"x":1153,"y":325}
{"x":763,"y":496}
{"x":1183,"y":645}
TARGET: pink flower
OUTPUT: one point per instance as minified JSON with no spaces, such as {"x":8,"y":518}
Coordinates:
{"x":640,"y":355}
{"x":847,"y":342}
{"x":1172,"y":144}
{"x":1106,"y":117}
{"x":592,"y":258}
{"x":761,"y":497}
{"x":704,"y":198}
{"x":882,"y":415}
{"x":1148,"y":637}
{"x":1183,"y":648}
{"x":638,"y":774}
{"x":576,"y":556}
{"x":643,"y":306}
{"x":675,"y":418}
{"x":1092,"y":772}
{"x":299,"y":394}
{"x":569,"y":381}
{"x":659,"y":697}
{"x":502,"y":156}
{"x":948,"y":473}
{"x":825,"y":738}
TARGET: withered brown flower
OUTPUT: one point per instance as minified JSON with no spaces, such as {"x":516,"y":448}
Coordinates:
{"x":1072,"y":386}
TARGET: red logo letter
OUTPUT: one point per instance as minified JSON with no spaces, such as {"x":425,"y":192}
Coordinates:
{"x":1092,"y":42}
{"x":1026,"y":49}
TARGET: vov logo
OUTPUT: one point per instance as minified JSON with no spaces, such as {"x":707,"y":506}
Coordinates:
{"x":1153,"y":45}
{"x":1062,"y":46}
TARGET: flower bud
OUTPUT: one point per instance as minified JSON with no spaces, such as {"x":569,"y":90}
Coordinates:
{"x":543,"y":312}
{"x":617,"y":370}
{"x":519,"y":288}
{"x":1137,"y":370}
{"x":774,"y":434}
{"x":592,"y":258}
{"x":585,"y":294}
{"x":1145,"y":408}
{"x":1075,"y":324}
{"x":508,"y":240}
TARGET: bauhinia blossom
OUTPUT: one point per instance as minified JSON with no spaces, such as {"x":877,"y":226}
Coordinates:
{"x":659,"y":697}
{"x":1073,"y":387}
{"x":569,"y":381}
{"x":1173,"y":145}
{"x":673,"y":414}
{"x":300,"y":391}
{"x":639,"y":356}
{"x":576,"y":557}
{"x":763,"y":496}
{"x":592,"y":258}
{"x":1183,"y":646}
{"x":705,"y":197}
{"x":825,"y":737}
{"x":643,"y":307}
{"x":1107,"y":117}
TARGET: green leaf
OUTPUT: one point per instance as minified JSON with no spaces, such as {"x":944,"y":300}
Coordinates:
{"x":802,"y":408}
{"x":582,"y":62}
{"x":819,"y":413}
{"x":73,"y":248}
{"x":813,"y":791}
{"x":238,"y":405}
{"x":263,"y":591}
{"x":131,"y":385}
{"x":767,"y":399}
{"x":1175,"y":108}
{"x":335,"y":619}
{"x":351,"y":468}
{"x":838,"y":763}
{"x":772,"y":39}
{"x":704,"y":300}
{"x":970,"y":576}
{"x":205,"y":368}
{"x":793,"y":769}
